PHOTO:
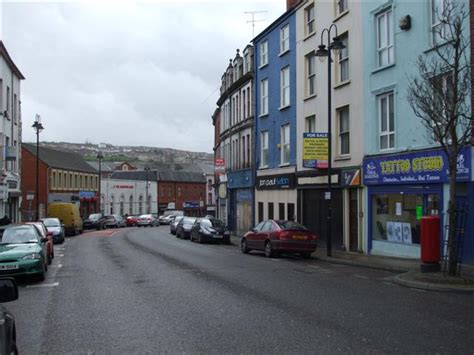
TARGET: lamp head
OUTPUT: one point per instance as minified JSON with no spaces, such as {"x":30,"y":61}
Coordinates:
{"x":322,"y":52}
{"x":336,"y":45}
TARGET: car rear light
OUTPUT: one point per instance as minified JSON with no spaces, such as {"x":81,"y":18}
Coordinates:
{"x":283,"y":235}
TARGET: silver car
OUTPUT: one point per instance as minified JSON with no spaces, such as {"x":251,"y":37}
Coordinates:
{"x":174,"y":224}
{"x":147,"y":220}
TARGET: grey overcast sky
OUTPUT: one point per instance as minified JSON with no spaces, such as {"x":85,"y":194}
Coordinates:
{"x":125,"y":72}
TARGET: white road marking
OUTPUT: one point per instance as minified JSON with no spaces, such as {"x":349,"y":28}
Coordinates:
{"x":54,"y":284}
{"x":59,"y":255}
{"x":58,"y":265}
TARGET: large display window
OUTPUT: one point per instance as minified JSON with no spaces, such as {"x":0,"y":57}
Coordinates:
{"x":396,"y":215}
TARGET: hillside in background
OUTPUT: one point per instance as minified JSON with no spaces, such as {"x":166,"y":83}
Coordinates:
{"x":164,"y":159}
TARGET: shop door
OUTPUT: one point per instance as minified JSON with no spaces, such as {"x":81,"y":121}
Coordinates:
{"x":244,"y":217}
{"x":353,"y":221}
{"x":315,"y":216}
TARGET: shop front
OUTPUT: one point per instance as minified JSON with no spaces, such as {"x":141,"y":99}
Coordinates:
{"x":222,"y":198}
{"x":88,"y":203}
{"x":401,"y":189}
{"x":275,"y":197}
{"x":241,"y":193}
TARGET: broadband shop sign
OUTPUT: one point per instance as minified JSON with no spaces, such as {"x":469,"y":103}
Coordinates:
{"x":425,"y":167}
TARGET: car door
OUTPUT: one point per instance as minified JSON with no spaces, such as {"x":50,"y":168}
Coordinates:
{"x":263,"y":235}
{"x":251,"y":236}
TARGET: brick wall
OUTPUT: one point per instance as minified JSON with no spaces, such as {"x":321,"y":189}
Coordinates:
{"x":28,"y":180}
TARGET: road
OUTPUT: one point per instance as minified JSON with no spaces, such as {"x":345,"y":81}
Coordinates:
{"x":143,"y":290}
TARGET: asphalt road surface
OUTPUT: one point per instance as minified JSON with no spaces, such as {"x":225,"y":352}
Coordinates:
{"x":141,"y":290}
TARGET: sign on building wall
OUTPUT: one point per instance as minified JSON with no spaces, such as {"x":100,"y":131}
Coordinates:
{"x":315,"y":150}
{"x":426,"y":167}
{"x":219,"y":166}
{"x":275,"y":182}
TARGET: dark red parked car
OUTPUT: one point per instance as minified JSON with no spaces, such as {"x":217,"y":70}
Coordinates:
{"x":274,"y":237}
{"x":131,"y":221}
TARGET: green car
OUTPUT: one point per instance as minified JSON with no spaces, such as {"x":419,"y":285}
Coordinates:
{"x":22,"y":251}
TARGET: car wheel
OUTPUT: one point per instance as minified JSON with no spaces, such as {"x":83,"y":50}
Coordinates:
{"x":243,"y":246}
{"x":306,"y":255}
{"x":191,"y":237}
{"x":269,"y":253}
{"x":200,"y":240}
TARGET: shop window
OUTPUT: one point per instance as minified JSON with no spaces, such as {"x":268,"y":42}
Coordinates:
{"x":270,"y":210}
{"x":281,"y":211}
{"x":396,"y":217}
{"x":291,"y":211}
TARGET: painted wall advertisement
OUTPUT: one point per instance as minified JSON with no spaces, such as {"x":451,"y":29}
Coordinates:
{"x":426,"y":167}
{"x":315,"y":150}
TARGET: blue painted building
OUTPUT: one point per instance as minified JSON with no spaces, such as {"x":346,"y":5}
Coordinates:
{"x":403,"y":169}
{"x":275,"y":123}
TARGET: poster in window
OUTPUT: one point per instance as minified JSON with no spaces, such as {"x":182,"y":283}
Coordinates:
{"x":406,"y":233}
{"x":394,"y":232}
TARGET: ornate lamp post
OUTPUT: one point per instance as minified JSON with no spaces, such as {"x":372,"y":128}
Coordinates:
{"x":38,"y":128}
{"x":100,"y":157}
{"x":336,"y":45}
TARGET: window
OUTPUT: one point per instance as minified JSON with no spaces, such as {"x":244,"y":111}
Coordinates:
{"x":285,"y":87}
{"x":385,"y":38}
{"x":15,"y":108}
{"x":249,"y":159}
{"x":387,"y":121}
{"x":310,"y":74}
{"x":264,"y":97}
{"x":264,"y":149}
{"x":309,"y":19}
{"x":438,"y":26}
{"x":270,"y":210}
{"x":291,"y":211}
{"x":263,"y":53}
{"x":284,"y":39}
{"x":341,"y":6}
{"x":310,"y":124}
{"x":442,"y":87}
{"x":179,"y":191}
{"x":248,"y":103}
{"x":260,"y":212}
{"x":70,"y":181}
{"x":285,"y":144}
{"x":344,"y":138}
{"x":343,"y":59}
{"x":131,"y":205}
{"x":281,"y":211}
{"x":140,"y":204}
{"x":8,"y":99}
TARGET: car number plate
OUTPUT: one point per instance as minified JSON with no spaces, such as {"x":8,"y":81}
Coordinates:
{"x":8,"y":267}
{"x":217,"y":236}
{"x":299,"y":237}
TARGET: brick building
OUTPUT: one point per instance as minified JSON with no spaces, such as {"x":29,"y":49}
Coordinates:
{"x":63,"y":177}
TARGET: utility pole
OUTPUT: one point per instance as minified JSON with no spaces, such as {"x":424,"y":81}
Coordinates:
{"x":252,"y":21}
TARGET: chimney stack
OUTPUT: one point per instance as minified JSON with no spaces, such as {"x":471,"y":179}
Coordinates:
{"x":291,"y":4}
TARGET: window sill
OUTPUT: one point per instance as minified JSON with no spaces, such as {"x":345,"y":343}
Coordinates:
{"x":284,"y":107}
{"x":265,"y":115}
{"x":263,"y":167}
{"x":386,"y":150}
{"x":283,"y":165}
{"x":309,"y":35}
{"x":341,"y":15}
{"x":340,"y":85}
{"x":342,"y":157}
{"x":435,"y":46}
{"x":263,"y":66}
{"x":309,"y":97}
{"x":383,"y":68}
{"x":283,"y":53}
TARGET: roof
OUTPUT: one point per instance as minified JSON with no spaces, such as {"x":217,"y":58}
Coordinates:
{"x":135,"y":175}
{"x":104,"y":166}
{"x":4,"y":54}
{"x":182,"y":176}
{"x":274,"y":24}
{"x":60,"y":159}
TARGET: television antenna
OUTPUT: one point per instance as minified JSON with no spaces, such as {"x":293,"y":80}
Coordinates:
{"x":253,"y":20}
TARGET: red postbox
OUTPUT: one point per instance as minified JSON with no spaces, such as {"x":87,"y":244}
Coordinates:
{"x":430,"y":240}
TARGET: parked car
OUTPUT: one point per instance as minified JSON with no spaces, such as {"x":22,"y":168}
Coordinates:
{"x":94,"y":221}
{"x":114,"y":221}
{"x":210,"y":230}
{"x":131,"y":221}
{"x":54,"y":226}
{"x":183,"y":229}
{"x":68,"y":214}
{"x":147,"y":220}
{"x":175,"y":223}
{"x":48,"y":235}
{"x":8,"y":293}
{"x":22,"y":251}
{"x":274,"y":237}
{"x":166,"y":219}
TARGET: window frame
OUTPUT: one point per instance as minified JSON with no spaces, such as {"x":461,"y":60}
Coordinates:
{"x":285,"y":148}
{"x":264,"y":97}
{"x":338,"y":7}
{"x":389,"y":37}
{"x":387,"y":133}
{"x":284,"y":38}
{"x":308,"y":124}
{"x":310,"y":76}
{"x":341,"y":133}
{"x":343,"y":60}
{"x":263,"y":53}
{"x":309,"y":22}
{"x":438,"y":23}
{"x":285,"y":89}
{"x":264,"y":149}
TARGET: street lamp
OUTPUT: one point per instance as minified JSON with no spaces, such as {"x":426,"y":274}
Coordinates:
{"x":336,"y":45}
{"x":38,"y":128}
{"x":100,"y":157}
{"x":147,"y":169}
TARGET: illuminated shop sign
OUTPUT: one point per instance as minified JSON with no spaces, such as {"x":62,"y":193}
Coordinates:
{"x":275,"y":182}
{"x":419,"y":167}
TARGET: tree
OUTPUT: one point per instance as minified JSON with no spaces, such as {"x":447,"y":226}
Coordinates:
{"x":440,"y":96}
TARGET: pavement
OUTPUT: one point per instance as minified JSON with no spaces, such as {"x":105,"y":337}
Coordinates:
{"x":408,"y":270}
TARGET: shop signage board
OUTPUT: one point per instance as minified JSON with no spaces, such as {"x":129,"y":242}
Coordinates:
{"x":425,"y":167}
{"x":350,"y":177}
{"x":315,"y":150}
{"x":275,"y":182}
{"x":219,"y":166}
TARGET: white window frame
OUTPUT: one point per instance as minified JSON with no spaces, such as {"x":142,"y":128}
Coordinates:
{"x":263,"y":53}
{"x":264,"y":149}
{"x":285,"y":144}
{"x":264,"y":97}
{"x":341,"y":4}
{"x":343,"y":61}
{"x":385,"y":50}
{"x":285,"y":39}
{"x":310,"y":75}
{"x":310,"y":124}
{"x":435,"y":15}
{"x":344,"y":133}
{"x":285,"y":87}
{"x":387,"y":132}
{"x":310,"y":26}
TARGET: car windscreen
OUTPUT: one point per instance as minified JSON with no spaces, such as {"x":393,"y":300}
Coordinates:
{"x":94,"y":216}
{"x":188,"y":220}
{"x":291,"y":225}
{"x":51,"y":223}
{"x":216,"y":223}
{"x":19,"y":235}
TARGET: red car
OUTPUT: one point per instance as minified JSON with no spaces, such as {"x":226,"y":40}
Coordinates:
{"x":131,"y":221}
{"x":274,"y":237}
{"x":45,"y":234}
